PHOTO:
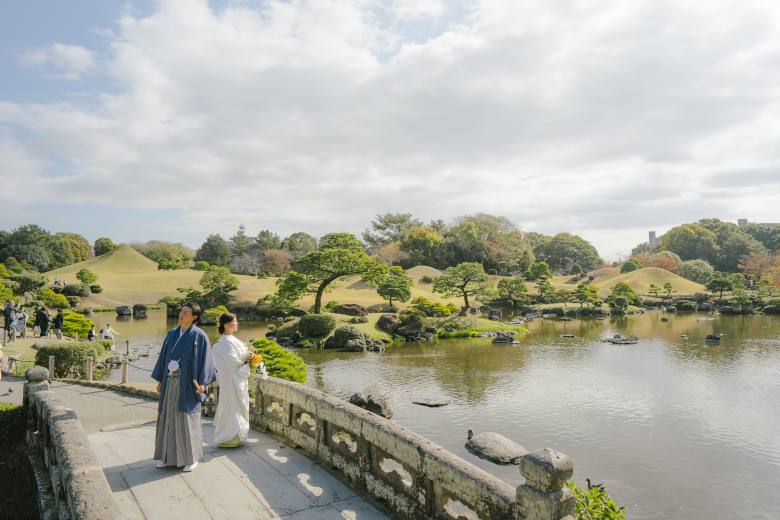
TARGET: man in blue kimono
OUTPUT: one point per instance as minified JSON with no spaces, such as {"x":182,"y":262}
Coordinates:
{"x":183,"y":370}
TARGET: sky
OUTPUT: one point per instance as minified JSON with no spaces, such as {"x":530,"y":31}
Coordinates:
{"x":174,"y":119}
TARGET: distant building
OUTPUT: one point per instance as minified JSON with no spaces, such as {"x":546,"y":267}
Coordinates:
{"x":652,"y":239}
{"x":743,"y":222}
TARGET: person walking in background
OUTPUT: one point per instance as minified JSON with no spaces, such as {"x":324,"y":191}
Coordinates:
{"x":183,"y":369}
{"x":109,"y":333}
{"x":8,"y":316}
{"x":21,"y":322}
{"x":59,"y":321}
{"x":42,"y":319}
{"x":91,"y":334}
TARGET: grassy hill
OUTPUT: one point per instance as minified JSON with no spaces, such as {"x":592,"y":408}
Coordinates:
{"x":128,"y":277}
{"x":641,"y":279}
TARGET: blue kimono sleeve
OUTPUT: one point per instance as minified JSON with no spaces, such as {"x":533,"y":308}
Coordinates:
{"x":205,"y":373}
{"x":157,"y":373}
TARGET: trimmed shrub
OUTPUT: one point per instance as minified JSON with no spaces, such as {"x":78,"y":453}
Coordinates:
{"x":18,"y":496}
{"x":52,"y":300}
{"x":331,"y":306}
{"x":74,"y":300}
{"x":68,"y":356}
{"x":95,"y":289}
{"x":348,"y":337}
{"x":280,"y":362}
{"x":685,"y":305}
{"x":214,"y":313}
{"x":75,"y":324}
{"x":76,"y":289}
{"x":558,"y":311}
{"x":426,"y":279}
{"x":316,"y":325}
{"x":410,"y":316}
{"x":430,"y":308}
{"x":200,"y":265}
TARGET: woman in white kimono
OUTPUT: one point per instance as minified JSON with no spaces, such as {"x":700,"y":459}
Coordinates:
{"x":231,"y":357}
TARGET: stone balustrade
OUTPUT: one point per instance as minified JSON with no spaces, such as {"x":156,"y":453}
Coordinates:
{"x":413,"y":477}
{"x":71,"y":483}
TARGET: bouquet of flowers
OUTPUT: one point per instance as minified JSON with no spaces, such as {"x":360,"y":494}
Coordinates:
{"x":255,"y":362}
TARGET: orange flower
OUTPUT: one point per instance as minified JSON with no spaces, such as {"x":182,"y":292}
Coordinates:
{"x":255,"y":360}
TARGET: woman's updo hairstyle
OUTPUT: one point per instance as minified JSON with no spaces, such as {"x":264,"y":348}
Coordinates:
{"x":224,"y":320}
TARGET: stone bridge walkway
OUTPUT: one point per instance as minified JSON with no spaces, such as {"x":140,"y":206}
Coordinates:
{"x":264,"y":479}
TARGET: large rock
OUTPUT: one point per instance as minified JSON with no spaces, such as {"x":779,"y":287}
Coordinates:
{"x":372,"y":403}
{"x":495,"y":448}
{"x":139,"y":310}
{"x":350,"y":309}
{"x":387,"y":323}
{"x":352,"y":339}
{"x":124,"y":310}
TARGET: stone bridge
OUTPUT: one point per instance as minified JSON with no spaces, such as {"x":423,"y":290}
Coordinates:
{"x":310,"y":456}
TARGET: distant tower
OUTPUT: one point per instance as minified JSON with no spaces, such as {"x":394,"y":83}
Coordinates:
{"x":742,"y":223}
{"x":652,"y":239}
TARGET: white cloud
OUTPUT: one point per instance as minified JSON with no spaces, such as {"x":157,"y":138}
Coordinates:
{"x":70,"y":62}
{"x":595,"y":117}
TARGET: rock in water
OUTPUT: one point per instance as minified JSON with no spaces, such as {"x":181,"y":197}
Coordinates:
{"x":372,"y":403}
{"x":124,"y":310}
{"x":495,"y":448}
{"x":431,"y":403}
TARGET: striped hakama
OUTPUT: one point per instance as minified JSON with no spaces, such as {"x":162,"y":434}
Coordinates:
{"x":179,"y":437}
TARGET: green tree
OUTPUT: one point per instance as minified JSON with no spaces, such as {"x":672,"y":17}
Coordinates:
{"x":390,"y":227}
{"x":214,"y":250}
{"x":218,"y":283}
{"x":698,"y":271}
{"x":172,"y":252}
{"x":654,"y":290}
{"x":86,"y":276}
{"x":576,"y":270}
{"x":28,"y":282}
{"x":629,"y":266}
{"x":316,"y":270}
{"x":103,"y":245}
{"x":586,"y":294}
{"x":513,"y":289}
{"x":564,"y":250}
{"x":733,"y":244}
{"x":59,"y":251}
{"x":299,"y":244}
{"x":738,"y":281}
{"x":341,"y":241}
{"x":267,"y":239}
{"x":465,"y":280}
{"x":719,"y":283}
{"x":421,"y":243}
{"x":668,"y":290}
{"x":545,"y":290}
{"x":493,"y":241}
{"x":397,"y":286}
{"x":769,"y":236}
{"x":539,"y":270}
{"x":624,"y":290}
{"x":691,"y":241}
{"x":79,"y":246}
{"x":239,"y":243}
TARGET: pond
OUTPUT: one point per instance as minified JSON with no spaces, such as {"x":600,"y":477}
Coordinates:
{"x":673,"y":427}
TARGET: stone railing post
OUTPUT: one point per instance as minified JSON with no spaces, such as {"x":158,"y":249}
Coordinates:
{"x":124,"y":370}
{"x":51,"y":368}
{"x":37,"y":381}
{"x":90,"y":368}
{"x":545,"y":496}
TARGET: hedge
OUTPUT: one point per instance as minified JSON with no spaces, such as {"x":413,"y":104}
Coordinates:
{"x":280,"y":362}
{"x":75,"y":289}
{"x":68,"y":356}
{"x":18,"y":497}
{"x":76,"y":324}
{"x":316,"y":325}
{"x":95,"y":289}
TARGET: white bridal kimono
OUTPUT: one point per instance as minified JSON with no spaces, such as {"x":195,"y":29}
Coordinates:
{"x":232,"y":416}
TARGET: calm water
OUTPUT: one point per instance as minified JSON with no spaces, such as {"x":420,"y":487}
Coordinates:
{"x":674,"y":428}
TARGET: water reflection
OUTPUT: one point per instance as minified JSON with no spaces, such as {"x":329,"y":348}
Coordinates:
{"x":675,"y":427}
